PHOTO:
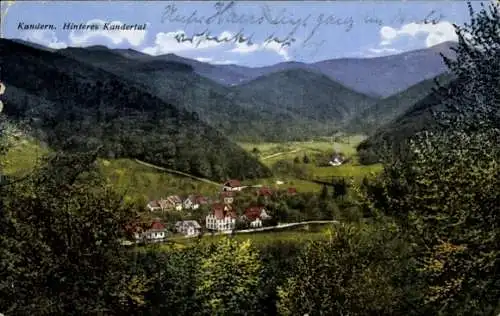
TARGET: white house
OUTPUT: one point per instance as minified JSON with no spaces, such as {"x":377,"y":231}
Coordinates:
{"x":188,"y":228}
{"x":156,"y":233}
{"x":255,"y":215}
{"x":222,"y":218}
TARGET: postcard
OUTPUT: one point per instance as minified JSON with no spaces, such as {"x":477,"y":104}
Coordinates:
{"x":266,"y":121}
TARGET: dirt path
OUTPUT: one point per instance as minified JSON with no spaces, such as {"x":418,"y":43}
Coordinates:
{"x":177,"y":172}
{"x":281,"y":153}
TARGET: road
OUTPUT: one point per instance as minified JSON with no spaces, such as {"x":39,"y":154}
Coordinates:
{"x":177,"y":172}
{"x":279,"y":226}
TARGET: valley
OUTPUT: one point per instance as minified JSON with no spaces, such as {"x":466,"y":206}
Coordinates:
{"x":166,"y":130}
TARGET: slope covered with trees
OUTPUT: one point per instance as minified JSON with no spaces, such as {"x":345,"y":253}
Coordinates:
{"x":239,"y":116}
{"x":74,"y":106}
{"x":386,"y":110}
{"x":305,"y":94}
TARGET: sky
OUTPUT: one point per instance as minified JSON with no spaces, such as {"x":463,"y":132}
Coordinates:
{"x":249,"y":33}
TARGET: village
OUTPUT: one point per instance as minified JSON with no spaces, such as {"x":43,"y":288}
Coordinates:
{"x":222,"y":215}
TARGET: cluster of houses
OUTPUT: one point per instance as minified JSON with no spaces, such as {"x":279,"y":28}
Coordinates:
{"x":222,"y":216}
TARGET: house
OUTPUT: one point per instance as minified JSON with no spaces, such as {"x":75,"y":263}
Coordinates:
{"x":336,"y":160}
{"x":174,"y":202}
{"x":222,"y":218}
{"x":232,"y":185}
{"x":194,"y":202}
{"x":188,"y":228}
{"x":255,"y":215}
{"x":227,"y":197}
{"x":155,"y":233}
{"x":159,"y":205}
{"x":292,"y":191}
{"x":264,"y":191}
{"x":154,"y":206}
{"x":201,"y":200}
{"x":190,"y":203}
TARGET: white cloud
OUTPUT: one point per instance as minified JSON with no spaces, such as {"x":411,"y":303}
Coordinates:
{"x":434,"y":33}
{"x":215,"y":62}
{"x":133,"y":37}
{"x":166,"y":43}
{"x":244,"y":48}
{"x":46,"y":38}
{"x":203,"y":59}
{"x":384,"y":50}
{"x":224,"y":62}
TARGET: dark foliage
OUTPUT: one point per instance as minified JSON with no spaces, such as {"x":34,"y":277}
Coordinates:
{"x":73,"y":106}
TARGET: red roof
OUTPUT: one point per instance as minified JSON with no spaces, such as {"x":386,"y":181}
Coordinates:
{"x":252,"y":213}
{"x":292,"y":190}
{"x":233,"y":183}
{"x":219,"y":211}
{"x":265,"y":191}
{"x":156,"y":225}
{"x":201,"y":200}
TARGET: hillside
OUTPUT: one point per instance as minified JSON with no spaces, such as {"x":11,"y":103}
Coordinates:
{"x":388,"y":109}
{"x":306,"y":95}
{"x":177,"y":83}
{"x":394,"y":135}
{"x":74,"y":106}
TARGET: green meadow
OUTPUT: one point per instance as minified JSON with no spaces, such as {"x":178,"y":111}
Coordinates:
{"x":138,"y":181}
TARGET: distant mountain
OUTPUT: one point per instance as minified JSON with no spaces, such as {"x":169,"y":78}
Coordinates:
{"x":74,"y":106}
{"x":305,"y":94}
{"x":388,"y":109}
{"x":385,"y":76}
{"x":379,"y":76}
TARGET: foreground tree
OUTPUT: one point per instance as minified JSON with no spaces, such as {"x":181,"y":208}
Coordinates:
{"x":61,"y":251}
{"x":354,"y":273}
{"x":229,"y":279}
{"x":446,"y":192}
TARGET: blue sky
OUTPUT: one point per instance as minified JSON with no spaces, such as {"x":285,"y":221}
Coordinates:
{"x":315,"y":30}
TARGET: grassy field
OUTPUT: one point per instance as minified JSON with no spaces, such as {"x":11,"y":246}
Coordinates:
{"x":271,"y":153}
{"x":128,"y":176}
{"x":296,"y":235}
{"x":140,"y":181}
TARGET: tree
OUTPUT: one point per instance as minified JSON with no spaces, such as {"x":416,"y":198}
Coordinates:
{"x":306,"y":159}
{"x":296,"y":160}
{"x":229,"y":278}
{"x":61,"y":252}
{"x":324,"y":193}
{"x":446,"y":193}
{"x":351,"y":274}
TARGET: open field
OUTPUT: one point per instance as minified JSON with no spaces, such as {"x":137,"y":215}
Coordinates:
{"x":138,"y":180}
{"x":271,"y":153}
{"x":296,"y":235}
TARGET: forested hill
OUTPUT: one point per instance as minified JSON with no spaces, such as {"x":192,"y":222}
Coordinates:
{"x":386,"y":110}
{"x":307,"y":95}
{"x":177,"y":83}
{"x":395,"y":134}
{"x":75,"y":106}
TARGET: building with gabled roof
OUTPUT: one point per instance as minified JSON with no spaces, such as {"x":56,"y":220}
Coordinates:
{"x":221,"y":218}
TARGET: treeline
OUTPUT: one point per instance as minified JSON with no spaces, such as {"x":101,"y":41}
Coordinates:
{"x":77,"y":107}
